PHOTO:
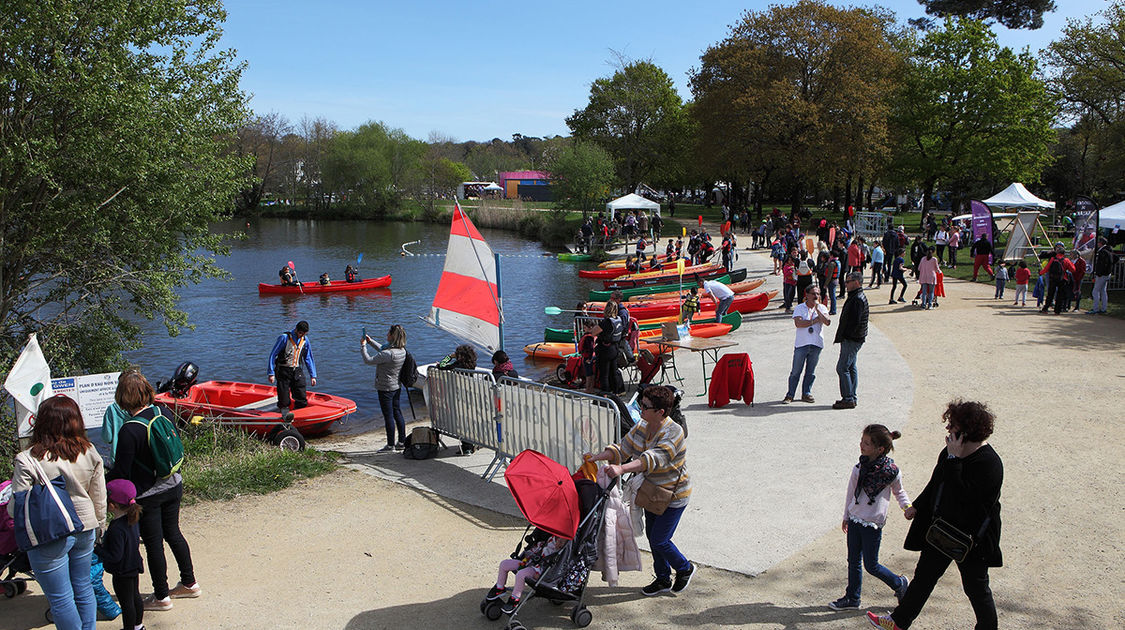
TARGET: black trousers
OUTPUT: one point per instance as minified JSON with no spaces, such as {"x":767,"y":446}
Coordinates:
{"x":931,"y":566}
{"x":290,"y":384}
{"x":609,"y":375}
{"x":128,"y":591}
{"x":160,"y":523}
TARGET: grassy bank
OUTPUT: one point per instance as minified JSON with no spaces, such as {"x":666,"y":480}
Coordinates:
{"x":221,"y":464}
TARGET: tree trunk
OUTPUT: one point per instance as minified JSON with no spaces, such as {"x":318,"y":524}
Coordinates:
{"x":847,"y":192}
{"x":858,"y":194}
{"x":795,"y":202}
{"x":836,"y":196}
{"x":870,"y":191}
{"x":927,"y":194}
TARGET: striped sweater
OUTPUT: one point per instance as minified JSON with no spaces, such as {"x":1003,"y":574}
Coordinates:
{"x":665,"y":457}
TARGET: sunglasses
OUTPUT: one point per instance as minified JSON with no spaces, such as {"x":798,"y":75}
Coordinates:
{"x":645,"y":405}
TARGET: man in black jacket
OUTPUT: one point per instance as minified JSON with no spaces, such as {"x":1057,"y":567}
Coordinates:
{"x":1103,"y":267}
{"x":982,"y":249}
{"x":850,"y":335}
{"x":890,"y":246}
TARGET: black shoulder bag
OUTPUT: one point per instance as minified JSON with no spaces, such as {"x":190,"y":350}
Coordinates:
{"x":948,"y":539}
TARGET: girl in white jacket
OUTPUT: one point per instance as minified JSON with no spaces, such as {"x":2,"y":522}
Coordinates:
{"x":870,"y":486}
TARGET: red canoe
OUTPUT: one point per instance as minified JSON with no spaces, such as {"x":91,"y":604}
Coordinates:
{"x":254,"y":407}
{"x":603,"y":274}
{"x":664,"y":276}
{"x":743,"y":303}
{"x":332,"y":287}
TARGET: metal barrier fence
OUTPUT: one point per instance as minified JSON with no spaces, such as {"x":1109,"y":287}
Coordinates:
{"x":1116,"y":276}
{"x":872,"y":224}
{"x":511,"y":415}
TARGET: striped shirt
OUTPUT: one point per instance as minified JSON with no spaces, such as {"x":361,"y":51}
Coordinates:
{"x":665,"y":457}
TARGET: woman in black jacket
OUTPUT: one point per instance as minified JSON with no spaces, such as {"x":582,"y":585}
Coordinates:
{"x":964,"y":491}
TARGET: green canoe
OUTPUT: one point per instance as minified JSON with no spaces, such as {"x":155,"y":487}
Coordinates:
{"x":738,"y":275}
{"x":566,"y":335}
{"x":569,"y":257}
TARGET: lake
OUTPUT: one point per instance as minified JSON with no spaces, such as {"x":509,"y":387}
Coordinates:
{"x":235,"y":328}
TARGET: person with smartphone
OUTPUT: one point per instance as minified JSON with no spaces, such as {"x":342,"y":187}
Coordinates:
{"x":964,"y":492}
{"x":810,"y":317}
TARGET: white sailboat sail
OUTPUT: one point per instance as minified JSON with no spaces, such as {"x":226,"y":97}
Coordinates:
{"x":467,"y":303}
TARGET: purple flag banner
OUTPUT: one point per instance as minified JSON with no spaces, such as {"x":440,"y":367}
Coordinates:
{"x":1085,"y":223}
{"x":982,"y":220}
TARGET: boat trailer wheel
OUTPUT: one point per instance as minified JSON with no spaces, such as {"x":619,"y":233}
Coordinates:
{"x":287,"y":439}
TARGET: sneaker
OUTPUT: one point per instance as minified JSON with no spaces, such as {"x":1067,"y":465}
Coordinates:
{"x":658,"y":586}
{"x":844,"y":404}
{"x":400,"y":446}
{"x":901,"y":301}
{"x":185,"y":592}
{"x":882,"y":621}
{"x":510,"y":606}
{"x":386,"y":449}
{"x":786,"y":400}
{"x":844,"y":604}
{"x":1092,"y":312}
{"x":496,"y":592}
{"x":892,"y":302}
{"x":683,"y":578}
{"x":900,"y":592}
{"x":151,"y":603}
{"x":808,"y":398}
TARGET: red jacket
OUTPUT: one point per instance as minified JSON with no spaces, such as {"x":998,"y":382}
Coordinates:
{"x":733,"y":377}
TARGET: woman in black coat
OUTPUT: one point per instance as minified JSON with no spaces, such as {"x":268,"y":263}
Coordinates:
{"x":964,"y":490}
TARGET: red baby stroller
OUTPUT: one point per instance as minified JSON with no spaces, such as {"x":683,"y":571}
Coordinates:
{"x":12,"y":560}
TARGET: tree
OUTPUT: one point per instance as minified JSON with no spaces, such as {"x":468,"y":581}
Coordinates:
{"x":796,"y":93}
{"x":261,"y":141}
{"x":633,"y":115}
{"x":1011,"y":13}
{"x":581,"y":175}
{"x":374,"y":167}
{"x":968,"y":109}
{"x":115,"y":135}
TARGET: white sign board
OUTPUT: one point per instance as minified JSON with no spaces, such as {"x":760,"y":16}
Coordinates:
{"x":93,"y":393}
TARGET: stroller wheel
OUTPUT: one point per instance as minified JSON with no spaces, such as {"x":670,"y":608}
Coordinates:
{"x":515,"y":625}
{"x":10,"y":589}
{"x":21,"y":587}
{"x":581,"y":617}
{"x":492,"y":610}
{"x":49,"y":616}
{"x":562,"y":374}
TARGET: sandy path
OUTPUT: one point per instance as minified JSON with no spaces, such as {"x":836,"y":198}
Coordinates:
{"x":349,"y":551}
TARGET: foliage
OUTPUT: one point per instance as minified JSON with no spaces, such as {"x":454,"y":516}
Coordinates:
{"x":262,"y":141}
{"x":969,"y":109}
{"x":1088,"y":78}
{"x":114,"y":160}
{"x":221,"y":464}
{"x":373,"y":167}
{"x":635,"y":115}
{"x":1011,"y":13}
{"x":581,"y":175}
{"x":800,"y":90}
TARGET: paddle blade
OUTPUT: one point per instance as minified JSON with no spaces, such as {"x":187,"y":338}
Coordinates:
{"x":360,"y":259}
{"x":552,"y":310}
{"x":292,"y":266}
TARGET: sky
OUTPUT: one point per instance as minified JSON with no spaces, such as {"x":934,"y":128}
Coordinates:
{"x":484,"y":70}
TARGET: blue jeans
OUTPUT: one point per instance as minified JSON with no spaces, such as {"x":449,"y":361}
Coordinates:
{"x":927,"y":294}
{"x":665,"y":555}
{"x":392,"y":415}
{"x":804,"y":357}
{"x":721,"y":308}
{"x":845,"y":367}
{"x":62,"y":569}
{"x":863,"y":548}
{"x":831,"y":291}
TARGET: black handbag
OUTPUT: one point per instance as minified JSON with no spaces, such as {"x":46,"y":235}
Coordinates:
{"x":948,"y":539}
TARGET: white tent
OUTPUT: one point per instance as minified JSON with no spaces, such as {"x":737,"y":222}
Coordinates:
{"x":1112,"y":217}
{"x":1016,"y":196}
{"x":633,"y":202}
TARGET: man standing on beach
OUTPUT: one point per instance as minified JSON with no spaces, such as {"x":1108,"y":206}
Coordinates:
{"x":851,"y":335}
{"x":289,"y":354}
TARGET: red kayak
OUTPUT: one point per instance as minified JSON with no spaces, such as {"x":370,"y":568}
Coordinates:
{"x":743,"y":303}
{"x":603,"y":274}
{"x":254,"y":407}
{"x":664,"y":276}
{"x":332,"y":287}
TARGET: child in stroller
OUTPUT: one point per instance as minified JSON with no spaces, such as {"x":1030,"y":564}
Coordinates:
{"x":12,"y":560}
{"x":528,"y":566}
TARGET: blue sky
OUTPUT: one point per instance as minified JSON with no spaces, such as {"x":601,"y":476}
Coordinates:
{"x":483,"y":70}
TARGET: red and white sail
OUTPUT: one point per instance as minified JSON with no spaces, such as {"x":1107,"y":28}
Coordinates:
{"x":467,"y":303}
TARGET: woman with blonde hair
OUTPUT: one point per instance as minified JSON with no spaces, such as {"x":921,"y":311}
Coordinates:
{"x":388,"y":362}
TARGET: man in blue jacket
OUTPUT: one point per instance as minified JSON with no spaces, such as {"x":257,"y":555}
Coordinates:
{"x":290,"y":353}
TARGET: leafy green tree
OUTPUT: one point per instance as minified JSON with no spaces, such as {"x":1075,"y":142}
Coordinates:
{"x":970,"y":109}
{"x":796,"y":93}
{"x":115,"y":137}
{"x":1011,"y":13}
{"x":635,"y":116}
{"x":374,"y":167}
{"x":261,"y":141}
{"x":581,"y":175}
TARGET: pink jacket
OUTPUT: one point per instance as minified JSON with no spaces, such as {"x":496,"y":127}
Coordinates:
{"x":928,"y":270}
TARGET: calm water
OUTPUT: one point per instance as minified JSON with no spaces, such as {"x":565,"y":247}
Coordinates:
{"x":235,"y":328}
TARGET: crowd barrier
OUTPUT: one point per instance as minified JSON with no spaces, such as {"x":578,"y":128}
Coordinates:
{"x":509,"y":416}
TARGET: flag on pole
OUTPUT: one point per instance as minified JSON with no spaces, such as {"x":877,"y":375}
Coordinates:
{"x":29,"y":383}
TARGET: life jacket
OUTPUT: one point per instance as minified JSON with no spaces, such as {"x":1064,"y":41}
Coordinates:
{"x":291,"y":355}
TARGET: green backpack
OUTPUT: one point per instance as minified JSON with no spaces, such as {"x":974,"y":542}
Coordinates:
{"x":164,"y":442}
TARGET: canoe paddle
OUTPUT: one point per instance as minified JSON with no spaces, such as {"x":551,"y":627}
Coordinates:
{"x":293,"y":268}
{"x":554,"y":310}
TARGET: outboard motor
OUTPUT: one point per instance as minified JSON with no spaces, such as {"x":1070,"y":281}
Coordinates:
{"x":182,"y":380}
